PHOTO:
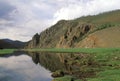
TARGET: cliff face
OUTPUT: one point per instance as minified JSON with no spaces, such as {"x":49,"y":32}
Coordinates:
{"x":63,"y":34}
{"x":50,"y":37}
{"x":90,"y":31}
{"x":74,"y":34}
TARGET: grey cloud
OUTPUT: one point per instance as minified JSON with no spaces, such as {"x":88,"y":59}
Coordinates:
{"x":5,"y":9}
{"x":1,"y":27}
{"x":5,"y":20}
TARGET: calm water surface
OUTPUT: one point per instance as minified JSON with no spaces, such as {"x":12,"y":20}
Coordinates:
{"x":22,"y":68}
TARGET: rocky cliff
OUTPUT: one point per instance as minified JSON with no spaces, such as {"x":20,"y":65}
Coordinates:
{"x":101,"y":30}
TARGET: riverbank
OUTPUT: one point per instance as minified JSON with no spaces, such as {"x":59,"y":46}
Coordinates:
{"x":73,"y":50}
{"x":86,"y":64}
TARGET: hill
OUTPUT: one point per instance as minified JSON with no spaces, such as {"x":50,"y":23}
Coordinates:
{"x":101,"y":30}
{"x":7,"y":43}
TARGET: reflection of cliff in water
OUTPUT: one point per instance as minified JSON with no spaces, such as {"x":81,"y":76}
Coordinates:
{"x":50,"y":61}
{"x":79,"y":65}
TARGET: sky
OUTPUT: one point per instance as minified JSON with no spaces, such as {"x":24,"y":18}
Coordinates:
{"x":21,"y":19}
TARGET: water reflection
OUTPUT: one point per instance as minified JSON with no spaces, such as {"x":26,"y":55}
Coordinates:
{"x":50,"y":61}
{"x":79,"y":65}
{"x":22,"y":68}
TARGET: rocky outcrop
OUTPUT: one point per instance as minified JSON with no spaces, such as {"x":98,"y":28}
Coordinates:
{"x":73,"y":35}
{"x":64,"y":34}
{"x":50,"y":37}
{"x":88,"y":32}
{"x":58,"y":73}
{"x":34,"y":42}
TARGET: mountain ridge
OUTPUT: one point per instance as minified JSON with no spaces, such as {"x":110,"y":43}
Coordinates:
{"x":8,"y":44}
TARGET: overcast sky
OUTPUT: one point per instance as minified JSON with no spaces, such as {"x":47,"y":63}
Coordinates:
{"x":21,"y":19}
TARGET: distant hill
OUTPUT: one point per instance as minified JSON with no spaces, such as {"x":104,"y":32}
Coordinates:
{"x":7,"y":43}
{"x":101,"y":30}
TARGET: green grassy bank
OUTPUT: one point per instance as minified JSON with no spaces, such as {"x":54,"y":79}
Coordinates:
{"x":6,"y":51}
{"x":74,"y":50}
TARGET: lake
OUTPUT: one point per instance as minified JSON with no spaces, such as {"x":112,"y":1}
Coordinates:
{"x":22,"y":68}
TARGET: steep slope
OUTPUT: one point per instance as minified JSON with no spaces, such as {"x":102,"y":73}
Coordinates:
{"x":7,"y":43}
{"x":90,"y":31}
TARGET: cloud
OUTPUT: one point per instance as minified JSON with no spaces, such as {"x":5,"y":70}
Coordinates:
{"x":23,"y":32}
{"x":5,"y":9}
{"x":78,"y":8}
{"x":21,"y":19}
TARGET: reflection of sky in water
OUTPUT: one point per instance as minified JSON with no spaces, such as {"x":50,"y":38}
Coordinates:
{"x":21,"y":68}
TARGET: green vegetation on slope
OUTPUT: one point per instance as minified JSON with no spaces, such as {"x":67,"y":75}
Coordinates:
{"x":112,"y":17}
